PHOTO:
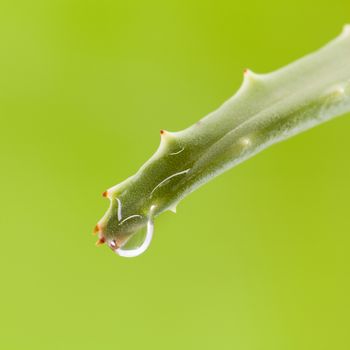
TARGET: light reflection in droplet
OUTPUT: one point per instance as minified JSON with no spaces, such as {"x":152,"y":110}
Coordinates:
{"x":119,"y":209}
{"x":128,"y":250}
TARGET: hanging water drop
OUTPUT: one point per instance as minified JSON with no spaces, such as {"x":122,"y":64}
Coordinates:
{"x":138,"y":242}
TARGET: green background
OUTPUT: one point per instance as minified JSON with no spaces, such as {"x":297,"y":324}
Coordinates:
{"x":256,"y":259}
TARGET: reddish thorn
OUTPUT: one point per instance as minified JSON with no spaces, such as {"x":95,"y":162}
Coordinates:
{"x":101,"y":241}
{"x":245,"y":71}
{"x":105,"y":194}
{"x":162,"y":132}
{"x":96,"y":229}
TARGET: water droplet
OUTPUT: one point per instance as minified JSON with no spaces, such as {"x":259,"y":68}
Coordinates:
{"x":138,"y":242}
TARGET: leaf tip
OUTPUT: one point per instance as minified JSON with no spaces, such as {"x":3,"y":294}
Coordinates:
{"x":97,"y":229}
{"x":173,"y":208}
{"x":100,"y":241}
{"x":346,"y":30}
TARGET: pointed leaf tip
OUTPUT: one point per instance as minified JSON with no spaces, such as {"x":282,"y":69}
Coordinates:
{"x":97,"y":229}
{"x":346,"y":29}
{"x":101,"y":241}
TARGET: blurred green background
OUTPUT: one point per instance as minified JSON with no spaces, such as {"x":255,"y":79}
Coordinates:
{"x":256,"y":259}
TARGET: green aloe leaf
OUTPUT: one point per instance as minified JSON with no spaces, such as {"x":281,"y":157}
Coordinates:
{"x":268,"y":108}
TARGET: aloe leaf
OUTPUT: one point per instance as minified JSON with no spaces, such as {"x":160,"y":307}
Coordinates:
{"x":267,"y":108}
